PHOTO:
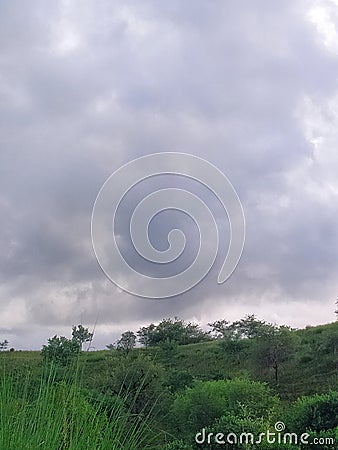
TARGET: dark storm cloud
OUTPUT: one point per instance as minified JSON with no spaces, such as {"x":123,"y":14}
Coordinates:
{"x":87,"y":87}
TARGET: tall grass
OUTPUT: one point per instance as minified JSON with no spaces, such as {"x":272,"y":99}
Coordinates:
{"x":57,"y":415}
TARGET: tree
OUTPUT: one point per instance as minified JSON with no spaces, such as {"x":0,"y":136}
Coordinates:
{"x":146,"y":335}
{"x":60,"y":349}
{"x":219,"y":328}
{"x":171,"y":330}
{"x":81,"y":334}
{"x":250,"y":327}
{"x":127,"y":342}
{"x":3,"y":345}
{"x":272,"y":348}
{"x":336,"y":311}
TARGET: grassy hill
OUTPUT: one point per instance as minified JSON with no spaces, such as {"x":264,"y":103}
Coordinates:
{"x":313,"y":368}
{"x":135,"y":393}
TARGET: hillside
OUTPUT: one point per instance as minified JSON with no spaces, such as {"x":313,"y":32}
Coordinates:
{"x":313,"y":368}
{"x":165,"y":394}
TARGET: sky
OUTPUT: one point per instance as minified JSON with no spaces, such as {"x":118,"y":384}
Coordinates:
{"x":85,"y":87}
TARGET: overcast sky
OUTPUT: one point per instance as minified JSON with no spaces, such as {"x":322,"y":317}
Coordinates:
{"x":86,"y":86}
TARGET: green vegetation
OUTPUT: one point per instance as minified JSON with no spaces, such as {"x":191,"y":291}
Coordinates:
{"x":57,"y":415}
{"x":171,"y":330}
{"x":3,"y":345}
{"x":183,"y":384}
{"x":81,"y":335}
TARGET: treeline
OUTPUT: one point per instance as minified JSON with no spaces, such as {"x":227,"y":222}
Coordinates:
{"x":265,"y":345}
{"x":183,"y":333}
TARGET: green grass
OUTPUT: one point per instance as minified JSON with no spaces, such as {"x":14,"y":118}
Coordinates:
{"x":312,"y":369}
{"x":77,"y":408}
{"x":57,"y":415}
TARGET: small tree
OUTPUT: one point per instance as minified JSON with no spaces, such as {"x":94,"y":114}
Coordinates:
{"x":127,"y":342}
{"x":3,"y":345}
{"x":273,"y":348}
{"x":176,"y":330}
{"x":219,"y":328}
{"x":250,"y":327}
{"x":60,"y":349}
{"x":81,"y":334}
{"x":146,"y":335}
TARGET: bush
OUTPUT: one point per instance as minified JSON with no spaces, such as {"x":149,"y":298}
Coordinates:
{"x":233,"y":426}
{"x":60,"y":350}
{"x":199,"y":406}
{"x":323,"y":440}
{"x":178,"y":445}
{"x":139,"y":381}
{"x":179,"y":380}
{"x":315,"y":413}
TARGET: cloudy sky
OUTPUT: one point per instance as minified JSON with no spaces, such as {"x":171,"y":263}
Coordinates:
{"x":251,"y":86}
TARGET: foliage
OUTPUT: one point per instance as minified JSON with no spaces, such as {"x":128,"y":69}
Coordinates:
{"x":272,"y":348}
{"x":60,"y":350}
{"x":219,"y":328}
{"x":81,"y":334}
{"x":233,"y":346}
{"x":322,"y":440}
{"x":177,"y":380}
{"x":171,"y":330}
{"x":250,"y":327}
{"x":169,"y":350}
{"x":3,"y":344}
{"x":315,"y":413}
{"x":199,"y":406}
{"x":178,"y":444}
{"x":168,"y":386}
{"x":145,"y":335}
{"x":139,"y":381}
{"x":106,"y":402}
{"x":127,"y":342}
{"x":59,"y":417}
{"x":235,"y":426}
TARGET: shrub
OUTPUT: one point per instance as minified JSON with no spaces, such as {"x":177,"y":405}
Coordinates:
{"x":314,"y":413}
{"x":178,"y":445}
{"x":60,"y":350}
{"x":179,"y":380}
{"x":199,"y":406}
{"x":139,"y":381}
{"x":233,"y":426}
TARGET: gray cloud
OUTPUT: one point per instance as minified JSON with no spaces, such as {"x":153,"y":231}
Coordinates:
{"x":87,"y":87}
